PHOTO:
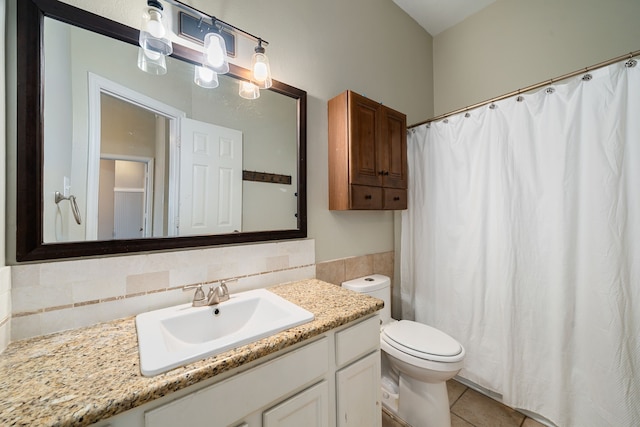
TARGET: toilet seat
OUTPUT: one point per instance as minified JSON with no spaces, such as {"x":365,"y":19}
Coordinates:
{"x":422,"y":341}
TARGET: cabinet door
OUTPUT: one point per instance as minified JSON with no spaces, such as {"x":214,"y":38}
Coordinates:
{"x":392,"y":155}
{"x":364,"y":128}
{"x":308,"y":408}
{"x":358,"y":393}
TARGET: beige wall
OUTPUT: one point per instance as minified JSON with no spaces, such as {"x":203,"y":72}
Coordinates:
{"x":515,"y":43}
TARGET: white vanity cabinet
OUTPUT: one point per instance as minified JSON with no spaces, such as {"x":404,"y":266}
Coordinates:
{"x":334,"y":380}
{"x":358,"y":375}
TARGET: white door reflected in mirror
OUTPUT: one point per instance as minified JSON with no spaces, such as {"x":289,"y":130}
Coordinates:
{"x":210,"y":179}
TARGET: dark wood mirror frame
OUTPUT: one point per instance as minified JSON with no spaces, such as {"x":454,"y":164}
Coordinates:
{"x":30,"y":159}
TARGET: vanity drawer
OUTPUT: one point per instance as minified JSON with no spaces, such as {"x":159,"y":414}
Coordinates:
{"x":364,"y":197}
{"x":358,"y":340}
{"x":232,"y":399}
{"x":394,"y":199}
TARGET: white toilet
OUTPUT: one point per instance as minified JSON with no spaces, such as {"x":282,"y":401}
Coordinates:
{"x":417,"y":360}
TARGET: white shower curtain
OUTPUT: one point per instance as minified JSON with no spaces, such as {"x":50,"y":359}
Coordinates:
{"x":522,"y":241}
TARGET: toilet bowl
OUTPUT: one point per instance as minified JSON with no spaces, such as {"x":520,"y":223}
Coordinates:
{"x":417,"y":361}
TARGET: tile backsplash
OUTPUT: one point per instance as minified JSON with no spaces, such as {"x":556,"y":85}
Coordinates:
{"x":55,"y":296}
{"x":341,"y":270}
{"x":39,"y":299}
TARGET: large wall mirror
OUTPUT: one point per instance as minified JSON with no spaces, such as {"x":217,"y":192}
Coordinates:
{"x":113,"y":160}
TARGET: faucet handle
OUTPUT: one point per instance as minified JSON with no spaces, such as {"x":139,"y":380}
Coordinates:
{"x":199,"y":298}
{"x":217,"y":294}
{"x":223,"y":291}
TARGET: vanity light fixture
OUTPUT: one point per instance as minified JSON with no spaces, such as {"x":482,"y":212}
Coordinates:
{"x":248,"y":90}
{"x":260,"y":67}
{"x":153,"y":35}
{"x":205,"y":77}
{"x":155,"y":44}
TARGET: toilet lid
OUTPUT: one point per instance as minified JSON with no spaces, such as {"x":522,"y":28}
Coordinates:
{"x":421,"y":340}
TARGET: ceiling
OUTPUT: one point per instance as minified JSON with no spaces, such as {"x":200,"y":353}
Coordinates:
{"x":436,"y":16}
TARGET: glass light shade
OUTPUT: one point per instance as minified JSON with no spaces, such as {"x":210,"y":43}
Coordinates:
{"x":205,"y":77}
{"x":152,"y":62}
{"x":153,"y":35}
{"x":215,"y":53}
{"x":248,"y":90}
{"x":261,"y":70}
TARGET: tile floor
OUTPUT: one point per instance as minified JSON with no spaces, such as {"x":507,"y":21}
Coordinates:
{"x":472,"y":409}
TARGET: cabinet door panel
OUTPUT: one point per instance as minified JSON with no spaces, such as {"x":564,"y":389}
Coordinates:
{"x":393,"y":152}
{"x":308,"y":408}
{"x":358,"y":393}
{"x":364,"y":124}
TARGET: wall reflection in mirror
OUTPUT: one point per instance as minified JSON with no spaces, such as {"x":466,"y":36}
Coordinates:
{"x":150,"y":156}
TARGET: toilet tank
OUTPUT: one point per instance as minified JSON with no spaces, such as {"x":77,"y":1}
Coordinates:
{"x":377,"y":286}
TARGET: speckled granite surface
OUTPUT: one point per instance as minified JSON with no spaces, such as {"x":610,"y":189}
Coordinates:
{"x":78,"y":377}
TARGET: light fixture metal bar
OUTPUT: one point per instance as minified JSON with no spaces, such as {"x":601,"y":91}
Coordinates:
{"x":214,"y":20}
{"x":195,"y":29}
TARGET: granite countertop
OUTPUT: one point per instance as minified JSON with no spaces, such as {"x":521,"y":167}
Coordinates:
{"x":81,"y":376}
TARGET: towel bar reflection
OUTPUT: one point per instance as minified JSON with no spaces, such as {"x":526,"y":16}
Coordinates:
{"x":74,"y":205}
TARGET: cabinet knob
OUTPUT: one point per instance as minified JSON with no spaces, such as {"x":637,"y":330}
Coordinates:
{"x":367,"y":197}
{"x":396,"y":198}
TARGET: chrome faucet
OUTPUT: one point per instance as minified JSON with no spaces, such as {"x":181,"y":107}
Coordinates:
{"x":216,"y":294}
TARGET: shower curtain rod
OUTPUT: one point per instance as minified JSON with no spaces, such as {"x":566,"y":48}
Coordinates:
{"x":529,"y":88}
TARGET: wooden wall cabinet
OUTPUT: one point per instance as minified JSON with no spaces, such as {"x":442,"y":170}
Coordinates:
{"x":367,"y":154}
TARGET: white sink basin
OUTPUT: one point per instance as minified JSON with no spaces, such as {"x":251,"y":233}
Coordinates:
{"x":176,"y":336}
